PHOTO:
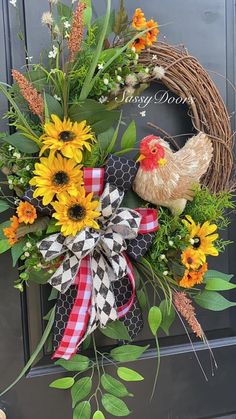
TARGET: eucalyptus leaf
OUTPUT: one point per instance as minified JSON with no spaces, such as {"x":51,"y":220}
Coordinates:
{"x":216,"y":274}
{"x":53,"y":106}
{"x":98,"y":415}
{"x":154,"y":319}
{"x":114,"y":386}
{"x":39,"y":225}
{"x":142,"y":299}
{"x":218,"y":284}
{"x":168,"y":316}
{"x":127,"y":353}
{"x":129,"y":137}
{"x":39,"y":277}
{"x":82,"y":411}
{"x":19,"y":141}
{"x":128,"y":374}
{"x":212,"y":300}
{"x":80,"y":390}
{"x":3,"y":205}
{"x":114,"y":406}
{"x":17,"y":250}
{"x":76,"y":363}
{"x":4,"y":245}
{"x":116,"y":330}
{"x":63,"y":383}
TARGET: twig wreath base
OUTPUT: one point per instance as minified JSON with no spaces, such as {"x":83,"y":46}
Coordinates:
{"x":186,"y":77}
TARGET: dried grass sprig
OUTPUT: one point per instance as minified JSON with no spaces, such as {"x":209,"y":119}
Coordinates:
{"x":185,"y":307}
{"x":30,"y":94}
{"x":185,"y":76}
{"x":77,"y":31}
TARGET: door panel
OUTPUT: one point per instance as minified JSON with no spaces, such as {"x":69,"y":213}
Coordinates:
{"x":206,"y":27}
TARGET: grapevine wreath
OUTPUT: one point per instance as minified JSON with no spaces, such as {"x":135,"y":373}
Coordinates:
{"x":117,"y":238}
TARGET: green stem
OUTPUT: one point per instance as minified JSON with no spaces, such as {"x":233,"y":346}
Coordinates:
{"x":157,"y":369}
{"x":87,"y":86}
{"x":36,"y":352}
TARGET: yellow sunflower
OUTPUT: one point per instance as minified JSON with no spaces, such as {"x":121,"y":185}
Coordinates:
{"x":74,"y":213}
{"x":192,"y":278}
{"x":70,"y":138}
{"x":201,"y":236}
{"x":192,"y":258}
{"x":56,"y":175}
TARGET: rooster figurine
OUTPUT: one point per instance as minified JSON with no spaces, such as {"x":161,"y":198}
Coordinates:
{"x":166,"y":178}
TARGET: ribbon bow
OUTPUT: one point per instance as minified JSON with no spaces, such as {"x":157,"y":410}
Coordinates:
{"x":105,"y":248}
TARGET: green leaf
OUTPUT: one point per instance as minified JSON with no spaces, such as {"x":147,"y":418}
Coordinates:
{"x":218,"y":284}
{"x":114,"y":386}
{"x":98,"y":415}
{"x":168,"y":316}
{"x":154,"y":319}
{"x":114,"y":406}
{"x":87,"y":342}
{"x":53,"y":106}
{"x":96,"y":114}
{"x":53,"y":294}
{"x":127,"y":353}
{"x":212,"y":300}
{"x":19,"y":141}
{"x":88,"y":13}
{"x":87,"y":85}
{"x":82,"y":411}
{"x":112,"y":144}
{"x":39,"y":277}
{"x":3,"y":205}
{"x":127,"y":374}
{"x":116,"y":330}
{"x":98,"y":25}
{"x":2,"y":226}
{"x":48,"y":315}
{"x":52,"y":227}
{"x":132,"y":200}
{"x":39,"y":225}
{"x":216,"y":274}
{"x":129,"y":137}
{"x":17,"y":250}
{"x":76,"y":363}
{"x":142,"y":299}
{"x":63,"y":10}
{"x":121,"y":19}
{"x":63,"y":383}
{"x":80,"y":390}
{"x":4,"y":245}
{"x":104,"y":139}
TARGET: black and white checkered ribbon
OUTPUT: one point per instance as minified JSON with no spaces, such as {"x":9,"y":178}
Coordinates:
{"x":105,"y":248}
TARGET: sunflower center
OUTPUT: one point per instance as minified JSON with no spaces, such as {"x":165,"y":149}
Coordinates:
{"x":60,"y":178}
{"x":190,"y":260}
{"x":76,"y":213}
{"x":66,"y":136}
{"x":197,"y":242}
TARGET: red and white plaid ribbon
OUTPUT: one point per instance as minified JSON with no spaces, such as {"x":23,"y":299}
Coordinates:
{"x":80,"y":313}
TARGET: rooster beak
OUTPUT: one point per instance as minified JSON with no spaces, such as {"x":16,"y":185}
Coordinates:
{"x":141,"y":157}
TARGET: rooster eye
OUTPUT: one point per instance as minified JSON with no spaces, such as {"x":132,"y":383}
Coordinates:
{"x":154,"y":150}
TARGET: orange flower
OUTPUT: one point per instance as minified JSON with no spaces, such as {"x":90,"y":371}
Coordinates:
{"x":26,"y":213}
{"x":151,"y":36}
{"x":192,"y":278}
{"x":10,"y":232}
{"x":139,"y":20}
{"x":139,"y":44}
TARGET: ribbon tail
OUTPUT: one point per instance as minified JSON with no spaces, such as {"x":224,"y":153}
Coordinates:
{"x":80,"y":314}
{"x":124,"y":309}
{"x":104,"y":295}
{"x":66,"y":273}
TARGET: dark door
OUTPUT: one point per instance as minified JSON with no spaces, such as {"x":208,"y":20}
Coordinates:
{"x":207,"y":28}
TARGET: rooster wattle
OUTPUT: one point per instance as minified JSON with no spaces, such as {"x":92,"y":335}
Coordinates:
{"x":168,"y":179}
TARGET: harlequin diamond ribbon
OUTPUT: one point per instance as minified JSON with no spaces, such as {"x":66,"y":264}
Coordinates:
{"x":95,"y":259}
{"x":105,"y":248}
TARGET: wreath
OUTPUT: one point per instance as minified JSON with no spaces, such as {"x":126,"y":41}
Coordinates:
{"x":117,"y":238}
